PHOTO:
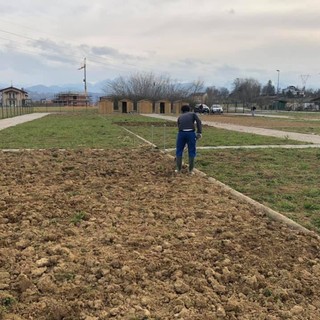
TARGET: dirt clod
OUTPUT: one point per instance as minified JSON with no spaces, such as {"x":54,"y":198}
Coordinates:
{"x":102,"y":234}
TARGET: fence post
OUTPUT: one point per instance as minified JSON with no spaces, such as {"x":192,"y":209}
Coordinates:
{"x":152,"y":128}
{"x":164,"y":136}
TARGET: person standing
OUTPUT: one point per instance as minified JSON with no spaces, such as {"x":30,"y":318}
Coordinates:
{"x":190,"y":129}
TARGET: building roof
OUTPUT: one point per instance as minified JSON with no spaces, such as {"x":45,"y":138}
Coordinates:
{"x":14,"y":89}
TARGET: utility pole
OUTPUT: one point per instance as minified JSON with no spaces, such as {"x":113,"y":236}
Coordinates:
{"x":304,"y":78}
{"x":85,"y":75}
{"x":84,"y":67}
{"x":278,"y":89}
{"x":278,"y":81}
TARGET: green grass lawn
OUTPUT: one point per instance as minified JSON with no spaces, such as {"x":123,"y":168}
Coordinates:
{"x":91,"y":130}
{"x":74,"y":131}
{"x":302,"y":114}
{"x":164,"y":135}
{"x":311,"y":129}
{"x":286,"y":180}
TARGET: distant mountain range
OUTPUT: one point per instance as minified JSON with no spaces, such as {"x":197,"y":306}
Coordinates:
{"x":38,"y":92}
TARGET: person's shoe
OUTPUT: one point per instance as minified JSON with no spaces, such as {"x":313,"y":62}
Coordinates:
{"x":191,"y":173}
{"x":178,"y":164}
{"x":191,"y":164}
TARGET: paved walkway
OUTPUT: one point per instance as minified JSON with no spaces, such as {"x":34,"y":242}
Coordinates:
{"x":311,"y":138}
{"x":10,"y":122}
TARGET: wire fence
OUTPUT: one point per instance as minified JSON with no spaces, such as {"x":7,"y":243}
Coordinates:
{"x":9,"y":112}
{"x":65,"y":109}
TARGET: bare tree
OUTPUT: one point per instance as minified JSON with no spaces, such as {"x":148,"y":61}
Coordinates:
{"x":150,"y":86}
{"x":268,"y":89}
{"x":216,"y":95}
{"x":246,"y":90}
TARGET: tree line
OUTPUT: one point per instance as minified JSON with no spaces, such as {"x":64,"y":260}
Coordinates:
{"x":154,"y":87}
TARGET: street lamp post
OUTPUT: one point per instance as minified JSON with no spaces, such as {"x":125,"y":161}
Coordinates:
{"x":278,"y":82}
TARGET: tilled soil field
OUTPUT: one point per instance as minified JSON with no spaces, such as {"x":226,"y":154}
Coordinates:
{"x":117,"y":235}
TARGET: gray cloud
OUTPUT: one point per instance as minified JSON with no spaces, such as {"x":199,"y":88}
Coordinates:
{"x":209,"y":39}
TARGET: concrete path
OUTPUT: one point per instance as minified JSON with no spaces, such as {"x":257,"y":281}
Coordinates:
{"x":10,"y":122}
{"x":311,"y":138}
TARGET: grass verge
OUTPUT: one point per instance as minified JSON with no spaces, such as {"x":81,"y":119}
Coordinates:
{"x":73,"y":131}
{"x":91,"y":130}
{"x":286,"y":180}
{"x":163,"y":134}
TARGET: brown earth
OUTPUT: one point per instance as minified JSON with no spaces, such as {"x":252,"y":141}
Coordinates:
{"x":117,"y":235}
{"x":262,"y":122}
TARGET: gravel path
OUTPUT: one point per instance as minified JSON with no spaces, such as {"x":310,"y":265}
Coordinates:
{"x":261,"y":131}
{"x":10,"y":122}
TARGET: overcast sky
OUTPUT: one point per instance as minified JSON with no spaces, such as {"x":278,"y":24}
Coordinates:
{"x":45,"y":42}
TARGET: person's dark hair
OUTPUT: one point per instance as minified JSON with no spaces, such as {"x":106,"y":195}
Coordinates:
{"x":185,"y":108}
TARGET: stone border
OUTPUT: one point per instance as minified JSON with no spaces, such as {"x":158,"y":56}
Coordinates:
{"x":272,"y":214}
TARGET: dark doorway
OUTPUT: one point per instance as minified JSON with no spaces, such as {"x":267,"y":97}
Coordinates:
{"x":162,"y":107}
{"x":124,"y":107}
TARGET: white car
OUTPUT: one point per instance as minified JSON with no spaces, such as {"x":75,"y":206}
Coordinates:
{"x":216,"y":108}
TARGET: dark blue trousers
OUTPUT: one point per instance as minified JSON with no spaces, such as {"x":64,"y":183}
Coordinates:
{"x":186,"y":138}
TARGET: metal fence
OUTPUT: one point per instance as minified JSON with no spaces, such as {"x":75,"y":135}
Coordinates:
{"x":64,"y":109}
{"x":9,"y":112}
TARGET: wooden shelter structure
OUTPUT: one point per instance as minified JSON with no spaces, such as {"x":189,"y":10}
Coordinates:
{"x":176,"y":109}
{"x":106,"y":105}
{"x":125,"y":106}
{"x":163,"y":107}
{"x":145,"y":106}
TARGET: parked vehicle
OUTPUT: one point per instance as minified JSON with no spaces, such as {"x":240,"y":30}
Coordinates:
{"x":216,"y":108}
{"x":201,"y":108}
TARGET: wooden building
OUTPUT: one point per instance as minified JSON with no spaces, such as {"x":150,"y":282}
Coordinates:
{"x":106,"y":105}
{"x":176,"y":109}
{"x":145,"y":106}
{"x":125,"y":106}
{"x":163,"y":107}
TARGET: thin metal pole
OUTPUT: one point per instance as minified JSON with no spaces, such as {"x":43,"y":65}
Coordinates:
{"x":278,"y":81}
{"x":164,"y":136}
{"x":152,"y":128}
